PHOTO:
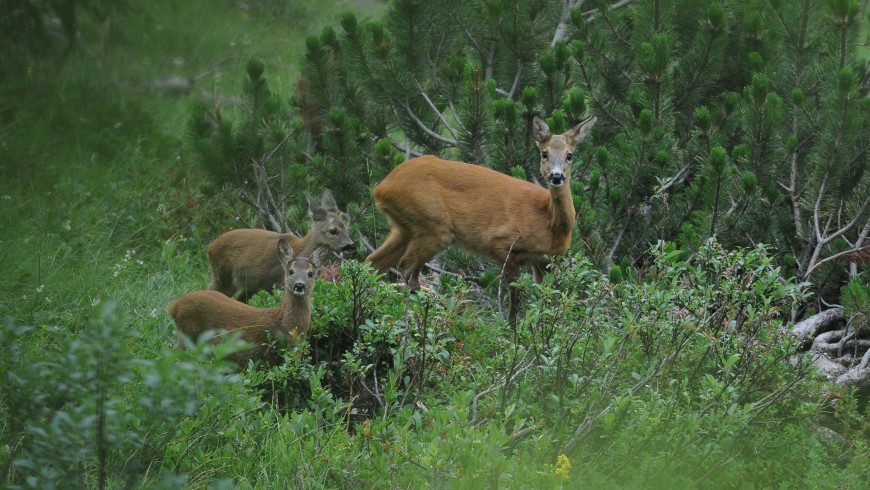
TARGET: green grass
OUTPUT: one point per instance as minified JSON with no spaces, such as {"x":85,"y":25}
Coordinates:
{"x":95,"y":175}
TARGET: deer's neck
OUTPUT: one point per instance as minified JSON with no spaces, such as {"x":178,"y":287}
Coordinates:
{"x":304,"y":246}
{"x":561,"y":215}
{"x":295,"y":314}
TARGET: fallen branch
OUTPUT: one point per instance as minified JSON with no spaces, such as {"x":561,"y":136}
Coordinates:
{"x":524,"y":364}
{"x":809,"y":328}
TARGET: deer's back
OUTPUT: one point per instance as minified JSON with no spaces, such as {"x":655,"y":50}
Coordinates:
{"x":247,"y":259}
{"x":247,"y":244}
{"x":199,"y":311}
{"x":478,"y":208}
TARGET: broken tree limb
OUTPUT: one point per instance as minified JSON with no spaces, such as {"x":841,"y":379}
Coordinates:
{"x":837,"y":354}
{"x":809,"y":328}
{"x":855,"y":377}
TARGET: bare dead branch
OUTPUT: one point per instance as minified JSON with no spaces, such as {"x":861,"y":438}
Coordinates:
{"x":590,"y":14}
{"x":564,"y":18}
{"x":809,"y":328}
{"x":425,"y":129}
{"x":516,"y":83}
{"x":853,"y":255}
{"x":674,"y":180}
{"x":437,"y":112}
{"x":407,"y":150}
{"x":524,"y":365}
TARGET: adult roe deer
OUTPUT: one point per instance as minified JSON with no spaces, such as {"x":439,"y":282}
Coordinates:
{"x":245,"y":261}
{"x":432,"y":203}
{"x":200,"y":311}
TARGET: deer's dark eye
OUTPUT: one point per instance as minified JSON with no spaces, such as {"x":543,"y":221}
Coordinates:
{"x":569,"y":156}
{"x":333,"y":232}
{"x":310,"y":274}
{"x":290,"y":271}
{"x":545,"y":154}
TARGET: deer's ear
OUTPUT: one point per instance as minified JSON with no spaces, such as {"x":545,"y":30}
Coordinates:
{"x":319,"y":255}
{"x":540,"y":130}
{"x":327,"y":202}
{"x":315,"y":209}
{"x":579,"y":132}
{"x":285,"y":251}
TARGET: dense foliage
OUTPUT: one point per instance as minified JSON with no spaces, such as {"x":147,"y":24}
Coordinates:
{"x":722,"y":195}
{"x":684,"y":375}
{"x":741,"y":120}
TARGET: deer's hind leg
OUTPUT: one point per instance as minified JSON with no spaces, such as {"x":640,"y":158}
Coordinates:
{"x":391,"y":251}
{"x":419,"y":251}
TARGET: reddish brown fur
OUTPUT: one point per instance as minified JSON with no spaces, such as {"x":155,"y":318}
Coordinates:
{"x":201,"y":311}
{"x":432,"y":203}
{"x":245,"y":261}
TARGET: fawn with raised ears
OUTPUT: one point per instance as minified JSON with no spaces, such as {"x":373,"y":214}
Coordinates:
{"x":245,"y":261}
{"x":200,"y":311}
{"x":432,"y":203}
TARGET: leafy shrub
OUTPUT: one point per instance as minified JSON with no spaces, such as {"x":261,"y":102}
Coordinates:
{"x":371,"y":343}
{"x":641,"y":373}
{"x":74,"y":419}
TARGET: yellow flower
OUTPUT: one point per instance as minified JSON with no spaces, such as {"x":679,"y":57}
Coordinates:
{"x":563,"y":466}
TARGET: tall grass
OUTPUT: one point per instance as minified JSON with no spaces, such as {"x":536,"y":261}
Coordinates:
{"x":94,"y":173}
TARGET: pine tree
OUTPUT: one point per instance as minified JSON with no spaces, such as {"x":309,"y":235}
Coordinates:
{"x":743,"y":120}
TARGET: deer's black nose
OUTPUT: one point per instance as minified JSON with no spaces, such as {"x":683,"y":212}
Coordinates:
{"x":349,"y":247}
{"x":557,"y":179}
{"x":299,"y":288}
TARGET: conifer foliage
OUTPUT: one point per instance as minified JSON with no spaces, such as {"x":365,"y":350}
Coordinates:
{"x":743,"y":120}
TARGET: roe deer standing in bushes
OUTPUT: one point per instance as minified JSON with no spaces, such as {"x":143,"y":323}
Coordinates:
{"x":200,"y":311}
{"x":245,"y":261}
{"x":432,"y":203}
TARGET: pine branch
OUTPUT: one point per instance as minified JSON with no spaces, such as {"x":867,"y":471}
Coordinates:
{"x":590,"y":14}
{"x":823,"y":237}
{"x":437,"y":112}
{"x":561,"y":32}
{"x":860,"y":255}
{"x":516,"y":83}
{"x":407,"y":150}
{"x":699,"y":71}
{"x":471,"y":39}
{"x":615,"y":31}
{"x":859,"y":244}
{"x":490,"y":62}
{"x":599,"y":104}
{"x":853,"y":256}
{"x":425,"y":129}
{"x":628,"y":217}
{"x":676,"y":179}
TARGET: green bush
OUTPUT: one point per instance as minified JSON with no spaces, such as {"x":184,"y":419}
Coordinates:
{"x":93,"y":415}
{"x":644,"y":373}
